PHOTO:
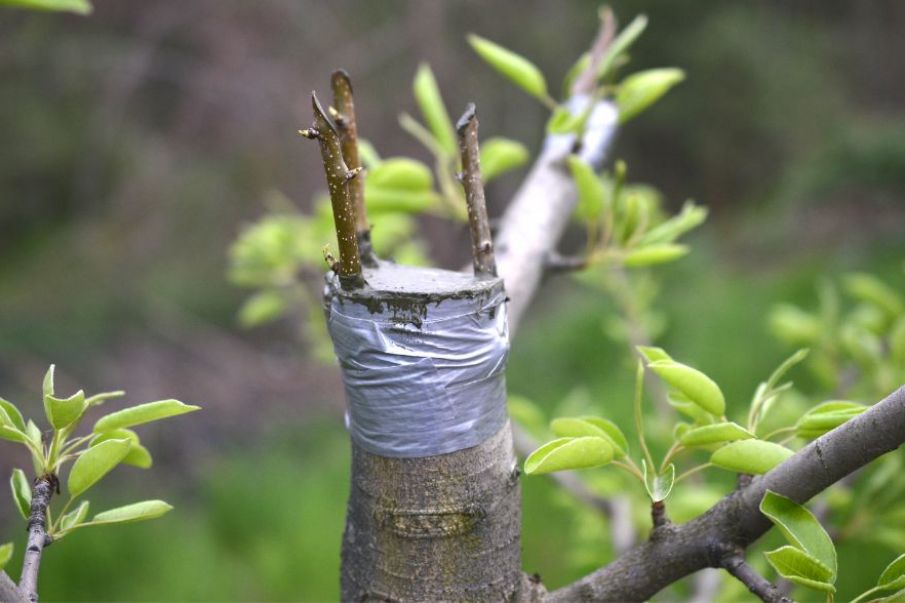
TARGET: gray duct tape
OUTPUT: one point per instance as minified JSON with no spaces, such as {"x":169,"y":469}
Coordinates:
{"x":422,"y":387}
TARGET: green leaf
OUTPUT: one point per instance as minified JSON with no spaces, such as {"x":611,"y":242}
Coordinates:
{"x":750,"y":456}
{"x":262,"y":307}
{"x":401,"y":173}
{"x":566,"y":454}
{"x":12,"y":414}
{"x":563,"y":121}
{"x":658,"y":486}
{"x":18,"y":483}
{"x":12,"y":434}
{"x":689,"y":218}
{"x":141,"y":511}
{"x":387,"y":201}
{"x":138,"y":455}
{"x":500,"y":155}
{"x":801,"y":529}
{"x":95,"y":463}
{"x":81,"y":7}
{"x":430,"y":101}
{"x":653,"y":354}
{"x":797,"y":566}
{"x":591,"y":192}
{"x":75,"y":517}
{"x":620,"y":44}
{"x":894,"y":574}
{"x":576,"y":427}
{"x":826,"y":417}
{"x":640,"y":90}
{"x":143,"y":413}
{"x":785,"y":367}
{"x":794,"y":325}
{"x":63,"y":412}
{"x":869,"y":288}
{"x":651,"y":255}
{"x":98,"y":399}
{"x":522,"y":72}
{"x":47,"y":386}
{"x":681,"y":403}
{"x":369,"y":156}
{"x":715,"y":434}
{"x":6,"y":553}
{"x":698,"y":387}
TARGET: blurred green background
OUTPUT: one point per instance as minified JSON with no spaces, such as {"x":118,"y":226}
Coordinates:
{"x":136,"y":142}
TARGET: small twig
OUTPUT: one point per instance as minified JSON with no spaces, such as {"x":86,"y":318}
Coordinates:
{"x":338,"y":177}
{"x":658,"y":514}
{"x":481,"y":243}
{"x":587,"y":79}
{"x":348,"y":129}
{"x":757,"y":584}
{"x":37,"y":535}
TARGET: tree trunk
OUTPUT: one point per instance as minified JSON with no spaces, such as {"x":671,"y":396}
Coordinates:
{"x":434,"y":511}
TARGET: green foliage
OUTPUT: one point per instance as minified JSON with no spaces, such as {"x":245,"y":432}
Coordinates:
{"x":522,"y":72}
{"x":641,"y":90}
{"x":6,"y":553}
{"x":427,"y":94}
{"x":91,"y":456}
{"x":564,"y":454}
{"x":81,"y":7}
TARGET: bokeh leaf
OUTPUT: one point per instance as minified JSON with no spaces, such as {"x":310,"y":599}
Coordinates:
{"x":430,"y":101}
{"x":500,"y":155}
{"x":640,"y":90}
{"x":522,"y":72}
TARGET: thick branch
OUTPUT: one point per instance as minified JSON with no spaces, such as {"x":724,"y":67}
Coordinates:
{"x":757,"y":584}
{"x":344,"y":103}
{"x":37,"y":536}
{"x":9,"y":592}
{"x":735,"y":522}
{"x":338,"y":176}
{"x":478,"y":224}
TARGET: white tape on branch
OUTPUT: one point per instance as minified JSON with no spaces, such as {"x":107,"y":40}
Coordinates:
{"x":423,"y":355}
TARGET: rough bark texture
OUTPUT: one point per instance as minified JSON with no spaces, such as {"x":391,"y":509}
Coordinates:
{"x":478,"y":224}
{"x":442,"y":528}
{"x":37,"y":536}
{"x":736,"y":521}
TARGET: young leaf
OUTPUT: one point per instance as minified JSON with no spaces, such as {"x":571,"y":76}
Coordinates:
{"x":651,"y":255}
{"x":640,"y":90}
{"x":18,"y":483}
{"x":80,"y":7}
{"x":74,"y":517}
{"x":794,"y":325}
{"x":591,"y":192}
{"x":430,"y":101}
{"x":138,"y":455}
{"x":95,"y":463}
{"x":688,"y":408}
{"x":826,"y":417}
{"x":690,"y":217}
{"x":8,"y":432}
{"x":401,"y":173}
{"x":653,"y":354}
{"x":576,"y":427}
{"x":622,"y":43}
{"x":98,"y":399}
{"x":143,"y":413}
{"x":564,"y":121}
{"x":566,"y":454}
{"x":47,"y":386}
{"x":141,"y":511}
{"x":801,"y":529}
{"x":6,"y":553}
{"x":499,"y":155}
{"x":519,"y":70}
{"x":63,"y":412}
{"x":797,"y":566}
{"x":785,"y":367}
{"x":698,"y":387}
{"x":369,"y":156}
{"x":12,"y":413}
{"x":658,"y":486}
{"x":750,"y":456}
{"x":715,"y":434}
{"x":894,"y":574}
{"x":869,"y":288}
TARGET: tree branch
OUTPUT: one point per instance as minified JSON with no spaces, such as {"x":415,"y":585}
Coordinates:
{"x":757,"y":584}
{"x":9,"y":592}
{"x":481,"y":242}
{"x":344,"y":117}
{"x":735,"y":522}
{"x":37,"y":536}
{"x":338,"y":176}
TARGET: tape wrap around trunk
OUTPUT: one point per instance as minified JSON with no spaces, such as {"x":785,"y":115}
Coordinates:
{"x":422,"y":380}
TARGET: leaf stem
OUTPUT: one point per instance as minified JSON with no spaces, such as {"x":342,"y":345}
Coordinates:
{"x":639,"y":423}
{"x":692,"y":471}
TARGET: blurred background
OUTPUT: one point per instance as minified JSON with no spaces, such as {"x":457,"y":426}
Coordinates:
{"x":136,"y":142}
